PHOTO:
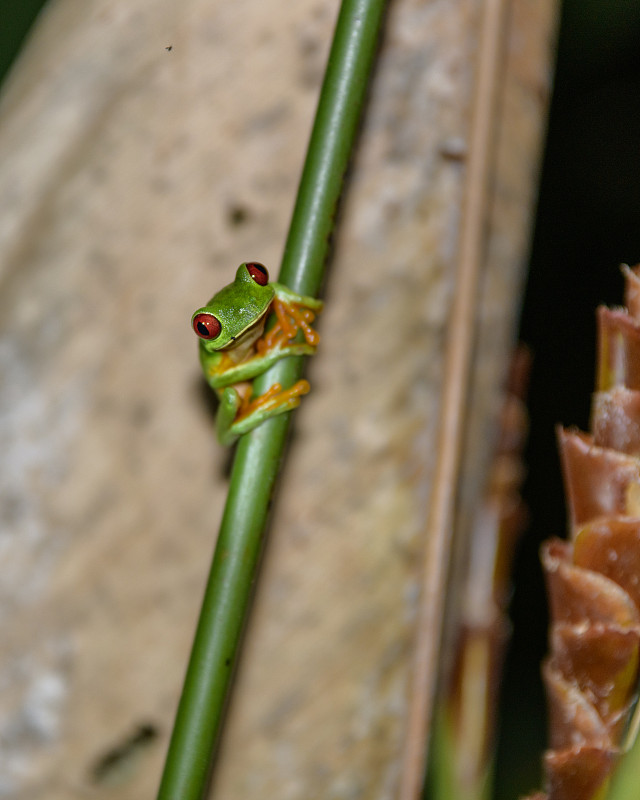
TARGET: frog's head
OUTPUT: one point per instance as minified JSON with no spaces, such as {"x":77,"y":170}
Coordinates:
{"x":235,"y":309}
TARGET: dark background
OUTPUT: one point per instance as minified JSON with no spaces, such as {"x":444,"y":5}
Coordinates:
{"x":588,"y":222}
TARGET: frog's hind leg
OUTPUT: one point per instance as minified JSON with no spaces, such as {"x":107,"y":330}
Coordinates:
{"x":275,"y":400}
{"x":230,"y":402}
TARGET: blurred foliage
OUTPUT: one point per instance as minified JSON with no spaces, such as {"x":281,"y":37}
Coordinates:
{"x":588,"y":222}
{"x":17,"y":17}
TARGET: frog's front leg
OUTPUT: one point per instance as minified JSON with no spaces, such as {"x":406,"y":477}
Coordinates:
{"x":220,"y":371}
{"x":292,"y":298}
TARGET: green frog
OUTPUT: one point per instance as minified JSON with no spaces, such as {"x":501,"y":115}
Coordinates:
{"x":235,"y":348}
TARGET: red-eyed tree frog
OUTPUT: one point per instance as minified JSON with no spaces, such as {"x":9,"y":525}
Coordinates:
{"x":234,"y":347}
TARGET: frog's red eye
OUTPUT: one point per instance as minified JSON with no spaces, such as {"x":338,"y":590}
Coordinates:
{"x":258,"y":272}
{"x":206,"y":326}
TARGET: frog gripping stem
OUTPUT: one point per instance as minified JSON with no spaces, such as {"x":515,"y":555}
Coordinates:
{"x":235,"y":349}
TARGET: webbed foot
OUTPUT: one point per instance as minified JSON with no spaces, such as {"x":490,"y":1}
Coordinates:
{"x":291,"y":317}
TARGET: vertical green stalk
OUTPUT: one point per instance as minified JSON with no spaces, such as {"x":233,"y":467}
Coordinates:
{"x":626,"y":779}
{"x":259,"y":453}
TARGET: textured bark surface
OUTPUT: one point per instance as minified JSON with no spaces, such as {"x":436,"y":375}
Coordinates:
{"x":134,"y":179}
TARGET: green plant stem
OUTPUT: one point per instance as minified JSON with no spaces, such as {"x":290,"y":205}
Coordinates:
{"x":259,"y":453}
{"x":625,"y":784}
